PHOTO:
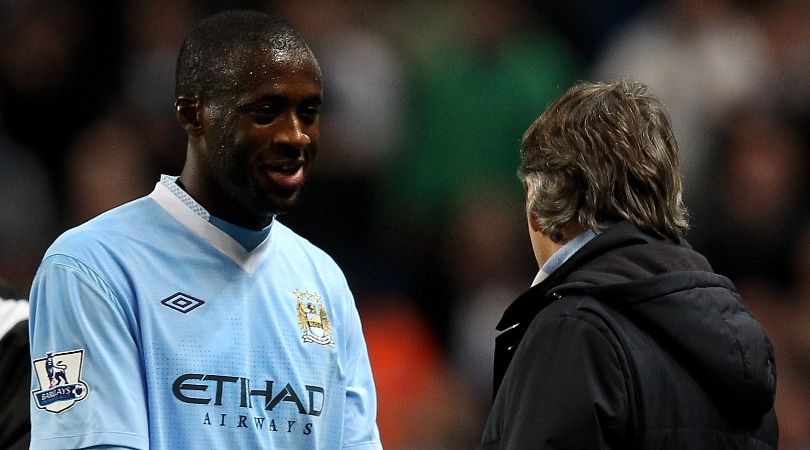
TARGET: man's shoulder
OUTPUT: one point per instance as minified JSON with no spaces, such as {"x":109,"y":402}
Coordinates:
{"x":306,"y":258}
{"x":290,"y":241}
{"x":110,"y":228}
{"x":573,"y":308}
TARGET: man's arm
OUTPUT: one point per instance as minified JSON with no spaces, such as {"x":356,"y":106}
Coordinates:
{"x":360,"y":417}
{"x":87,"y":383}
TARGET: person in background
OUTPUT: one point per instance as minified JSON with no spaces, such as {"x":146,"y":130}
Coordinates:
{"x":192,"y":318}
{"x":15,"y":373}
{"x":627,"y":338}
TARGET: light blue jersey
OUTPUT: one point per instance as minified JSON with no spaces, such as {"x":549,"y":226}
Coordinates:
{"x":152,"y":328}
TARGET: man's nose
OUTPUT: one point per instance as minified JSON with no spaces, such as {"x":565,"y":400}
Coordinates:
{"x":292,"y":132}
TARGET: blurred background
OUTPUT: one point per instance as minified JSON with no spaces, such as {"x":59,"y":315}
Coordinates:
{"x":415,"y":193}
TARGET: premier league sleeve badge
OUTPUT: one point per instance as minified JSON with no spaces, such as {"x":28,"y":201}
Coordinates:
{"x":60,"y":383}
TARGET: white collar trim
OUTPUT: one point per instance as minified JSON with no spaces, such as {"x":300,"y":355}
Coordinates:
{"x":249,"y":261}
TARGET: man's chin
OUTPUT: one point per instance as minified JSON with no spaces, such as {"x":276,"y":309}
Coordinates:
{"x":280,"y":204}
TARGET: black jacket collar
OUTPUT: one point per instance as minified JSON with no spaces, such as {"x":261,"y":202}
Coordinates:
{"x":528,"y":304}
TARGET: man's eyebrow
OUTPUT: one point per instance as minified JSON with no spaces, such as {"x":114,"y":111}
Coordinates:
{"x":267,"y":98}
{"x":313,"y":99}
{"x":273,"y":97}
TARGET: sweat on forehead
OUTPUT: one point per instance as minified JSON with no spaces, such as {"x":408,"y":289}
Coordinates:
{"x":246,"y":67}
{"x":220,"y":46}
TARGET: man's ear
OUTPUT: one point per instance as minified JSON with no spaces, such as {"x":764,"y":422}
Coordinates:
{"x":189,"y":114}
{"x":533,"y":222}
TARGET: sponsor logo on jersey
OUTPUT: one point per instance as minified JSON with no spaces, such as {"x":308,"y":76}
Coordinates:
{"x":60,"y":383}
{"x":182,"y":302}
{"x":219,"y":390}
{"x":313,"y":319}
{"x":226,"y":392}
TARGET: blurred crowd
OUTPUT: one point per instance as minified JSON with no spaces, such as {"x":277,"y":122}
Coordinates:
{"x":414,"y":192}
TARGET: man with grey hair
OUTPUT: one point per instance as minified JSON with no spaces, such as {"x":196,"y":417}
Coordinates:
{"x":627,"y":339}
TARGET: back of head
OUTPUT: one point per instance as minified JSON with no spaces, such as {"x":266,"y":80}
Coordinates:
{"x":603,"y":152}
{"x":219,"y":45}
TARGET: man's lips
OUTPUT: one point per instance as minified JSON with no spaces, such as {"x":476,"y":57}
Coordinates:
{"x":285,"y":174}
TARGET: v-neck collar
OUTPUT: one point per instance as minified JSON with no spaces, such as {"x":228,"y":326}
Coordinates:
{"x":178,"y":204}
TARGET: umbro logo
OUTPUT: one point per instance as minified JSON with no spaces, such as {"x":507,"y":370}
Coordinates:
{"x":182,"y":302}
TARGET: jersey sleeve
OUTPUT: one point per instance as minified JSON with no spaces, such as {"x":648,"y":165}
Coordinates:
{"x":87,"y":386}
{"x":567,"y":390}
{"x":360,"y":417}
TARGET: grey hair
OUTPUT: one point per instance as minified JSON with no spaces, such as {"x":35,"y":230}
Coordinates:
{"x":603,"y":152}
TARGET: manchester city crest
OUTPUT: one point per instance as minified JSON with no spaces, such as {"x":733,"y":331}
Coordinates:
{"x":313,"y":319}
{"x":60,"y":384}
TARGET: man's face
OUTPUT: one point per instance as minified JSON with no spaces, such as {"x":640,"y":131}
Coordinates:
{"x":262,"y":133}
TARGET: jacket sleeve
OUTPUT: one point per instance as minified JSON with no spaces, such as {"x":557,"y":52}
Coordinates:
{"x":567,"y":388}
{"x":15,"y":426}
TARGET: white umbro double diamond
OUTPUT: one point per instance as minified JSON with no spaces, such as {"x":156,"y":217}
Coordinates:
{"x":182,"y":302}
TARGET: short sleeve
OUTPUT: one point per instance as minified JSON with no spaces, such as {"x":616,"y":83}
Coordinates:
{"x":87,"y":386}
{"x":360,"y":416}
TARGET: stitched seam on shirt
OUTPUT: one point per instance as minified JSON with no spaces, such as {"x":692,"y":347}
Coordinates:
{"x":79,"y":269}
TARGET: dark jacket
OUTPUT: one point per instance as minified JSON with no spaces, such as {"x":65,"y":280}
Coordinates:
{"x":15,"y":388}
{"x":633,"y":343}
{"x":15,"y":378}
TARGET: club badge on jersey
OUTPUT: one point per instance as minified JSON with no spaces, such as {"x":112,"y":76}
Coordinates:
{"x":60,"y":383}
{"x":313,"y":319}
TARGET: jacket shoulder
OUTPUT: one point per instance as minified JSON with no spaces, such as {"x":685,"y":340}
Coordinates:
{"x":571,"y":362}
